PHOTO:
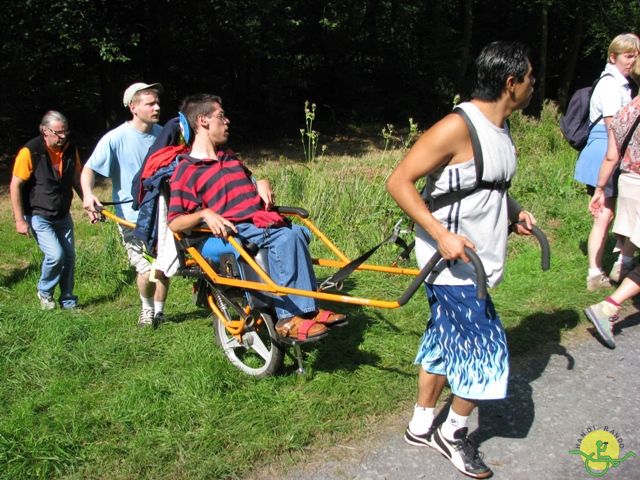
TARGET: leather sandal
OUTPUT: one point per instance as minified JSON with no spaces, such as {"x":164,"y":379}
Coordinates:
{"x":329,"y":318}
{"x":300,"y":328}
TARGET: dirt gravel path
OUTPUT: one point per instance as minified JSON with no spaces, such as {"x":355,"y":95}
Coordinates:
{"x":556,"y":395}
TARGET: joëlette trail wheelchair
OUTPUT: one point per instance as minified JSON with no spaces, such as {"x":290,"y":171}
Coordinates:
{"x":235,"y":285}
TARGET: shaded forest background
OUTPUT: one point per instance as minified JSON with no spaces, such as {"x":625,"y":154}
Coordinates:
{"x":362,"y":63}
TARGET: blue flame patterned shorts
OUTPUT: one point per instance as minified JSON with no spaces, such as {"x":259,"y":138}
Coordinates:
{"x":464,"y":341}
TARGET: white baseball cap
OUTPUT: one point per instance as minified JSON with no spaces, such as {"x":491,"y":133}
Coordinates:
{"x":135,"y":88}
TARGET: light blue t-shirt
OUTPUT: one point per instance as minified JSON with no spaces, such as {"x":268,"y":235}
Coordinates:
{"x":119,"y":155}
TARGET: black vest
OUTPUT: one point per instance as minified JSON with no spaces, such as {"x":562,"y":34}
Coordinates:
{"x":46,"y":193}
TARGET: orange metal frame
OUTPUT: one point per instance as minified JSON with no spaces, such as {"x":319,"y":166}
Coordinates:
{"x":271,"y":287}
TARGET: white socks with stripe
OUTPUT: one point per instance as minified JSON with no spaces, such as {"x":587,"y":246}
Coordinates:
{"x":422,"y":419}
{"x":452,"y":423}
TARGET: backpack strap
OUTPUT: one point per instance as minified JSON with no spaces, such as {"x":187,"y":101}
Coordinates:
{"x":475,"y":144}
{"x":593,"y":87}
{"x":627,"y":138}
{"x":454,"y":197}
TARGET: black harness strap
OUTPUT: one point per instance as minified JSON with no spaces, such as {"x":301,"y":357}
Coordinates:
{"x":450,"y":198}
{"x":117,"y":203}
{"x":350,"y":267}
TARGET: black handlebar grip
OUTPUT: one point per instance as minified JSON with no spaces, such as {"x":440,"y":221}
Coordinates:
{"x":545,"y":249}
{"x":481,"y":293}
{"x":301,"y":212}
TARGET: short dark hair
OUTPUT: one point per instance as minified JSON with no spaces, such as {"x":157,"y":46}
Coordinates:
{"x":497,"y":62}
{"x":198,"y":104}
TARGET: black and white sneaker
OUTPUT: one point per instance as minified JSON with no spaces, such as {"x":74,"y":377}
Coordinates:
{"x":461,"y":453}
{"x":158,"y":318}
{"x":424,"y":440}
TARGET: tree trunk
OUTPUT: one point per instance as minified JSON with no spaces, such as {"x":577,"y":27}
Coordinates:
{"x":572,"y":59}
{"x":542,"y":66}
{"x":465,"y":50}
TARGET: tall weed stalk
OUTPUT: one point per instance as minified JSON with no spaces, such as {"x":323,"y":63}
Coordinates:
{"x":309,"y":136}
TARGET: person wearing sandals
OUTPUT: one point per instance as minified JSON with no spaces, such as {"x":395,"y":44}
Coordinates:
{"x":211,"y":185}
{"x":464,"y":343}
{"x":612,"y":92}
{"x":623,"y":134}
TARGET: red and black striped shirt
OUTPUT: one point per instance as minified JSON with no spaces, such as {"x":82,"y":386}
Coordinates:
{"x":222,"y":184}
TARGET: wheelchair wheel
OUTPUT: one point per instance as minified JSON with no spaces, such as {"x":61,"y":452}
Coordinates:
{"x":250,"y":346}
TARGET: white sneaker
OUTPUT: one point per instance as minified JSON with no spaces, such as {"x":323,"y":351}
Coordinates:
{"x":46,"y":301}
{"x":602,"y":315}
{"x":598,"y":281}
{"x":158,"y":319}
{"x":146,"y":317}
{"x":461,"y":453}
{"x":424,"y":440}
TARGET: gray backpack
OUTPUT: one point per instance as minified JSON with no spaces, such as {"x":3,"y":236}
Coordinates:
{"x":574,"y":124}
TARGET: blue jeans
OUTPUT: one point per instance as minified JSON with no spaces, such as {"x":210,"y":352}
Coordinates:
{"x":55,"y":239}
{"x":289,"y":264}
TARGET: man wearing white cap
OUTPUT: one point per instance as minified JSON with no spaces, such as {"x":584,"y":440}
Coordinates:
{"x":119,"y":155}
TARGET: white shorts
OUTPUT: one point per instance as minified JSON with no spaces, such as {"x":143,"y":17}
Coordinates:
{"x":138,"y":258}
{"x":627,"y":221}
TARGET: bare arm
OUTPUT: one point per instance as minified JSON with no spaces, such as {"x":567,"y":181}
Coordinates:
{"x":447,"y":142}
{"x":76,"y":176}
{"x":215,"y":222}
{"x":528,"y":219}
{"x":15,"y":192}
{"x":77,"y":187}
{"x":517,"y":216}
{"x":611,"y":160}
{"x":89,"y":200}
{"x":266,"y":193}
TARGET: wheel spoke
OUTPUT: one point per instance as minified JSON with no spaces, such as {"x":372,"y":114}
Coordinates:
{"x":256,"y":354}
{"x":231,"y":342}
{"x":258,"y":345}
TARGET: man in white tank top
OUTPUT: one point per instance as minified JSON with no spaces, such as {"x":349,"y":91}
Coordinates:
{"x":464,"y":343}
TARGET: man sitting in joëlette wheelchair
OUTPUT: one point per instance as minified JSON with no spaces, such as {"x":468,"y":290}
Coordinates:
{"x":212,"y":186}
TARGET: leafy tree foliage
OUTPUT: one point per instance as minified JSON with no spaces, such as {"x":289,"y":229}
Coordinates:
{"x":375,"y":60}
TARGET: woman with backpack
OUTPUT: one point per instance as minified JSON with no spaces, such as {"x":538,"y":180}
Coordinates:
{"x":612,"y":92}
{"x":623,"y":152}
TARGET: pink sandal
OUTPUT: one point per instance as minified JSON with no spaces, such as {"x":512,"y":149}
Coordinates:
{"x":329,"y":318}
{"x":301,"y":329}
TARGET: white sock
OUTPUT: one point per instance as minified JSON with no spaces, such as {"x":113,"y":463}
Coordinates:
{"x":594,"y":272}
{"x":158,"y":307}
{"x":452,"y":423}
{"x":421,"y":420}
{"x":147,"y":303}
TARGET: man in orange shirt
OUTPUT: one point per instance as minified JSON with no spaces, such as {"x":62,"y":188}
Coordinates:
{"x":45,"y":173}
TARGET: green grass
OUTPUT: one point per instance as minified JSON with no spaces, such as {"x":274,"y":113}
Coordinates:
{"x":89,"y":395}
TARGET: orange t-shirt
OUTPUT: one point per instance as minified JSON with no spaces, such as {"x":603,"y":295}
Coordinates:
{"x":23,"y":166}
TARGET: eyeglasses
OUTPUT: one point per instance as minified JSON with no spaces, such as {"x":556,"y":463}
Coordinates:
{"x":220,"y":116}
{"x":60,"y":133}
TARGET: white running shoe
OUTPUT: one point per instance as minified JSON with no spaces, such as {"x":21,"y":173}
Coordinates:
{"x":146,"y":317}
{"x":461,"y":453}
